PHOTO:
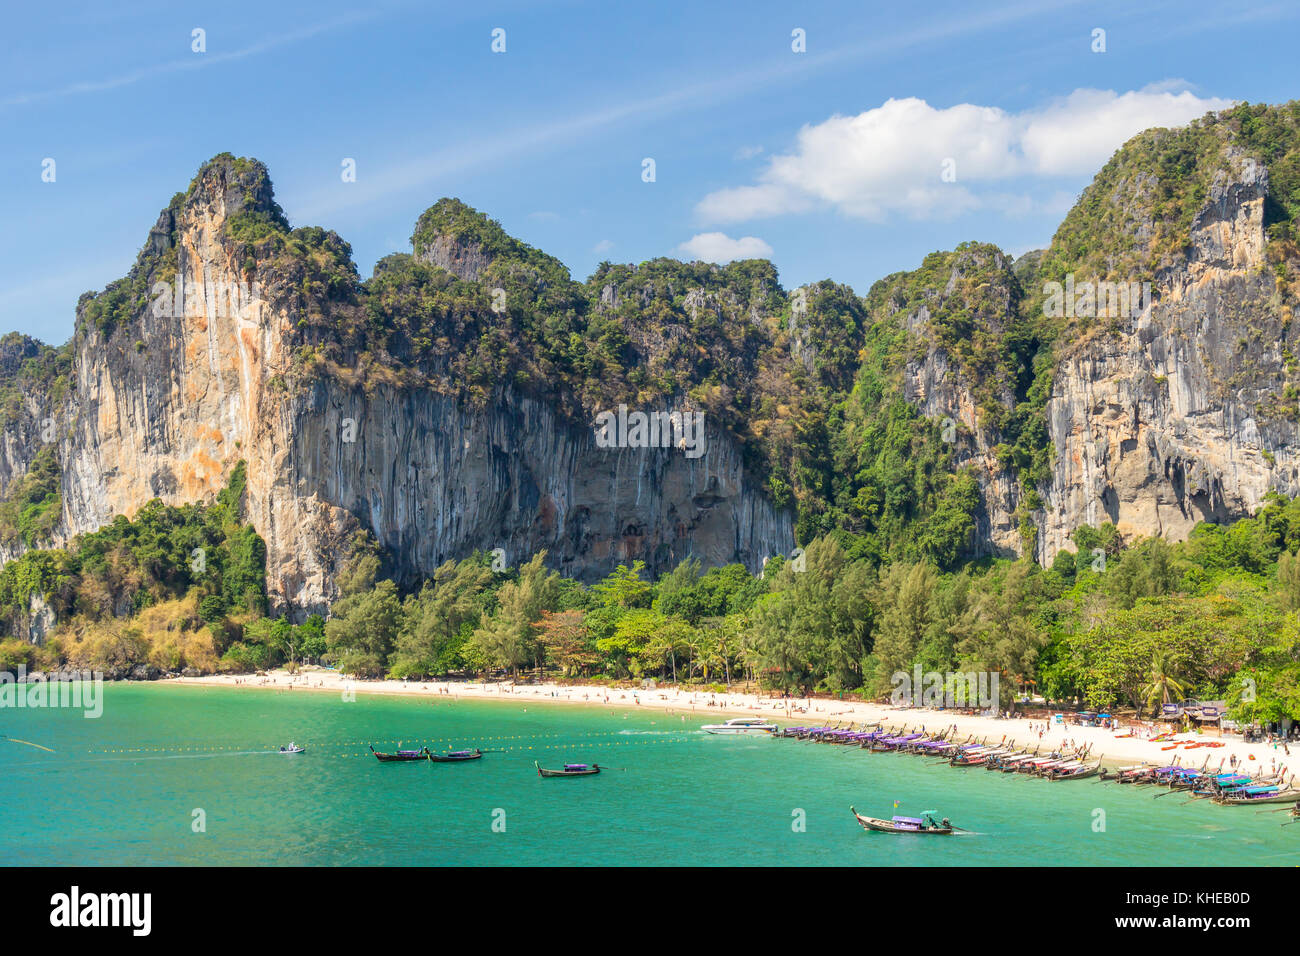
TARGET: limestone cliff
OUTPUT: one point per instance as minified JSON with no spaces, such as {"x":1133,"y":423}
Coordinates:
{"x":200,"y":363}
{"x":445,"y":405}
{"x":1175,"y":414}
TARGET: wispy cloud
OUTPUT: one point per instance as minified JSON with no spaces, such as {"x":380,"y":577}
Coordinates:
{"x":377,"y":185}
{"x":196,"y":61}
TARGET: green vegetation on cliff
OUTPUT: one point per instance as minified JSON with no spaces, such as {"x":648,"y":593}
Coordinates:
{"x":200,"y":572}
{"x":33,"y":507}
{"x":31,"y":371}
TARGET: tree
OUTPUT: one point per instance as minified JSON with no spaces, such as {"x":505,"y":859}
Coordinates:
{"x":313,"y":637}
{"x":1162,"y":684}
{"x":813,"y":627}
{"x":673,"y":637}
{"x":624,"y":588}
{"x":507,"y":638}
{"x":432,"y":621}
{"x":905,"y":603}
{"x":361,"y":632}
{"x":286,"y":639}
{"x":1288,"y":579}
{"x":678,"y":592}
{"x":633,"y":634}
{"x":1006,"y":635}
{"x":564,"y":637}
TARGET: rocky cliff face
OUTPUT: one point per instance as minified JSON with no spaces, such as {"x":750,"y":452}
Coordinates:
{"x":165,"y":403}
{"x":941,"y":390}
{"x":434,"y":479}
{"x":1172,"y":419}
{"x":419,"y":409}
{"x":938,"y":389}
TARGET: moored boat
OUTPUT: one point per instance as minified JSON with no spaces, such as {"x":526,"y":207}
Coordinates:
{"x":1078,"y":772}
{"x":742,"y":725}
{"x":1256,"y":795}
{"x":401,"y":756}
{"x":570,"y":770}
{"x":455,"y":756}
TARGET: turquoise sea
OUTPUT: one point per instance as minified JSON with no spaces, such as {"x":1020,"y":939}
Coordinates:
{"x":124,"y":790}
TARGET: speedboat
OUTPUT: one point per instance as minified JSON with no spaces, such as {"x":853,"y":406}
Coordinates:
{"x":742,"y":725}
{"x":293,"y":749}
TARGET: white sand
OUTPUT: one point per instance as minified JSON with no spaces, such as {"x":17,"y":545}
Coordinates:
{"x":705,"y":707}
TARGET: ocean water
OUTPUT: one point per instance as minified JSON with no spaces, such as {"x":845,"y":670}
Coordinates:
{"x":130,"y":787}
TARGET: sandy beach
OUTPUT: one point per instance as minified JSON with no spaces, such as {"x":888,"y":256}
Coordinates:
{"x":699,"y":707}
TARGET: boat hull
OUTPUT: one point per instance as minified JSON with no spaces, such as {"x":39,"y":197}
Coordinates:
{"x":1290,"y":796}
{"x":455,"y":758}
{"x":888,"y":826}
{"x":587,"y":772}
{"x":400,"y":757}
{"x":752,"y":731}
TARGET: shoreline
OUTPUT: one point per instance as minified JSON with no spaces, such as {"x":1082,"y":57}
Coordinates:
{"x":711,"y":707}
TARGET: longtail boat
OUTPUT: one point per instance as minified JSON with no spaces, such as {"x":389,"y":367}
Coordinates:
{"x":881,"y":744}
{"x":1013,"y":764}
{"x":570,"y":770}
{"x":1042,"y":764}
{"x":922,"y":824}
{"x":975,"y":758}
{"x":1079,"y":772}
{"x":455,"y":756}
{"x":1011,"y":759}
{"x":1267,"y":793}
{"x":1120,"y":774}
{"x":401,"y":755}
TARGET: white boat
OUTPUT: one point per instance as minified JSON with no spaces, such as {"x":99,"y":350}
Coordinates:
{"x":293,"y":749}
{"x":742,"y":725}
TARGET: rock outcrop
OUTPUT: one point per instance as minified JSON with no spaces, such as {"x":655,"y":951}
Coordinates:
{"x":166,"y":400}
{"x":1172,"y":419}
{"x":235,"y":338}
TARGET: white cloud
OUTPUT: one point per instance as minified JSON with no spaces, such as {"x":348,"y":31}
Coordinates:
{"x":719,"y":247}
{"x":748,"y":152}
{"x":892,"y":159}
{"x":605,"y":245}
{"x":1078,"y":134}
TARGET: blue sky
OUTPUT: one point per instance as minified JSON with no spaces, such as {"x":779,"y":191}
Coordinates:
{"x":834,"y":159}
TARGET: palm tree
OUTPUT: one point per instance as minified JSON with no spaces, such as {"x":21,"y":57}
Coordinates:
{"x":693,"y":645}
{"x":1162,"y":683}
